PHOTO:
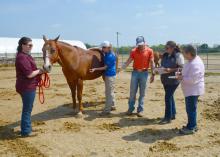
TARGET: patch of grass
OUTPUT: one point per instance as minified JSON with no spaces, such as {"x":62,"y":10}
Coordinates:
{"x":69,"y":126}
{"x":109,"y":126}
{"x":38,"y":123}
{"x":212,"y":74}
{"x":164,"y":147}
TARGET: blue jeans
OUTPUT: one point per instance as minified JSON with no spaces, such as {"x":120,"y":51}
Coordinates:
{"x":138,"y":79}
{"x":191,"y":109}
{"x":170,"y":107}
{"x":28,"y":101}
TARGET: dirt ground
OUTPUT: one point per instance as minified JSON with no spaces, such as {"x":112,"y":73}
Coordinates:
{"x":60,"y":134}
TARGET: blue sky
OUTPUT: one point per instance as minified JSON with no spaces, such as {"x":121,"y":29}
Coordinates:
{"x":92,"y":21}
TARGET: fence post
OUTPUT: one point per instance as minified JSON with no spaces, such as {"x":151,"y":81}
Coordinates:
{"x":207,"y":60}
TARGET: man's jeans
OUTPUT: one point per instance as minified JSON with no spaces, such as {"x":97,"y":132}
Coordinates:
{"x":28,"y":100}
{"x":138,"y":79}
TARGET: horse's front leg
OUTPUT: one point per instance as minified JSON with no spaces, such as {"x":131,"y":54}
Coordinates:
{"x":72,"y":86}
{"x":79,"y":94}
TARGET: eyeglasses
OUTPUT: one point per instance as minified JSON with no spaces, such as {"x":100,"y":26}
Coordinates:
{"x":29,"y":45}
{"x":167,"y":47}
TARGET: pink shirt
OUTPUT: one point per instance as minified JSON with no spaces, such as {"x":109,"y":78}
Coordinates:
{"x":193,"y":78}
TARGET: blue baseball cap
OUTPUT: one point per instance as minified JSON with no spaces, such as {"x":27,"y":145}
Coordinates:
{"x":140,"y":40}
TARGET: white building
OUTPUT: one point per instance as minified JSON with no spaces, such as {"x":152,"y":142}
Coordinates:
{"x":8,"y":46}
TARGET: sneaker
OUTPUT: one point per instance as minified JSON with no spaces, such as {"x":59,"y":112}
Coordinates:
{"x":104,"y":113}
{"x":165,"y":121}
{"x":140,"y":114}
{"x":185,"y":127}
{"x":29,"y":135}
{"x":129,"y":113}
{"x":173,"y":118}
{"x":186,"y":131}
{"x":113,"y":108}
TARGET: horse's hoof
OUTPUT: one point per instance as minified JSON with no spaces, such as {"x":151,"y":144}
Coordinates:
{"x":75,"y":111}
{"x":79,"y":115}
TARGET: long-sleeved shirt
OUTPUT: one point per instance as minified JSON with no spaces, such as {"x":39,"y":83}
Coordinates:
{"x":193,"y":78}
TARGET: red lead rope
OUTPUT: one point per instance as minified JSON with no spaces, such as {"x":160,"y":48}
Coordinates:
{"x":44,"y":83}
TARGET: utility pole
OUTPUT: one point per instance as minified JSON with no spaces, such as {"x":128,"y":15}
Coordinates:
{"x":117,"y":35}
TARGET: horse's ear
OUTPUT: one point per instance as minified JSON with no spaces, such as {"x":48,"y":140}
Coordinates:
{"x":45,"y":38}
{"x":57,"y":38}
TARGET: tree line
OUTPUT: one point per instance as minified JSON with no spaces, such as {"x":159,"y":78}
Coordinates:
{"x":202,"y":48}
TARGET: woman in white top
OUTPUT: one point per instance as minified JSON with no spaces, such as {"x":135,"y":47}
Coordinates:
{"x":192,"y":82}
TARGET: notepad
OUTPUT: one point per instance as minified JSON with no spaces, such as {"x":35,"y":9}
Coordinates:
{"x":160,"y":70}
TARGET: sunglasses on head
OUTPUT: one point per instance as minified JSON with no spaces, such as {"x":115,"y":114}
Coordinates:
{"x":167,"y":47}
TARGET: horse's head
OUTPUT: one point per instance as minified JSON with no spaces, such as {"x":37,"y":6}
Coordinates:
{"x":50,"y":53}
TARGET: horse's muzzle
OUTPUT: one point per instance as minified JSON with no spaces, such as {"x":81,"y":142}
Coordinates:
{"x":48,"y":68}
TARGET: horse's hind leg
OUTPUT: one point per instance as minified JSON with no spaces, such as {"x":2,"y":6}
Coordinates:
{"x":79,"y":94}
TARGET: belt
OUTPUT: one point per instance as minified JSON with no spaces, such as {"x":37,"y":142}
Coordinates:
{"x":141,"y":70}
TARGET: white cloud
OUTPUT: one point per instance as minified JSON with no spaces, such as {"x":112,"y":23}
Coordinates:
{"x":139,"y":15}
{"x":161,"y":27}
{"x":55,"y":25}
{"x":160,"y":6}
{"x":157,"y":12}
{"x":88,"y":1}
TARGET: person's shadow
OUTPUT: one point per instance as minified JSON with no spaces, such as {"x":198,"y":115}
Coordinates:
{"x":152,"y":135}
{"x":134,"y":121}
{"x":6,"y":131}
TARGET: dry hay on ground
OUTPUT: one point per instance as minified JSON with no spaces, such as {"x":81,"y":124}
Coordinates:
{"x":213,"y":111}
{"x":163,"y":146}
{"x":70,"y":126}
{"x":109,"y":126}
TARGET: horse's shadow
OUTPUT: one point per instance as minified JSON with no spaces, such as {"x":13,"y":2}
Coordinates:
{"x":62,"y":111}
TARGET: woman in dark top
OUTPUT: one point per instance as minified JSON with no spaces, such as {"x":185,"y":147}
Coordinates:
{"x":27,"y":78}
{"x":172,"y":60}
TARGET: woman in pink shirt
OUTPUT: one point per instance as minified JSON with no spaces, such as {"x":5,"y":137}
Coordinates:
{"x":192,"y":85}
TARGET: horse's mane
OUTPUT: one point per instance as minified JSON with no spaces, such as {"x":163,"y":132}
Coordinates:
{"x":91,"y":49}
{"x":67,"y":44}
{"x":95,"y":49}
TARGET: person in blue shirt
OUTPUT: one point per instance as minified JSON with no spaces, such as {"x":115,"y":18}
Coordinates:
{"x":110,"y":74}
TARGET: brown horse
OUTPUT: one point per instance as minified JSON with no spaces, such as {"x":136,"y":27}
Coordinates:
{"x":75,"y":63}
{"x":157,"y":57}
